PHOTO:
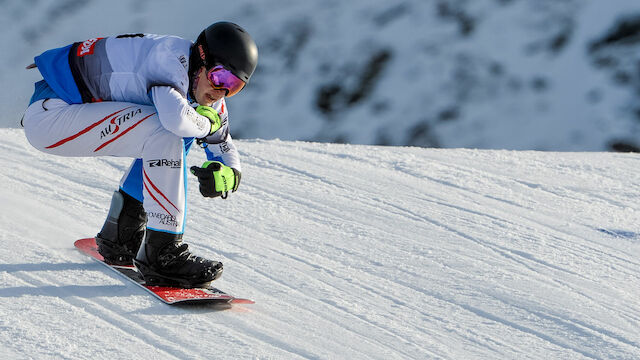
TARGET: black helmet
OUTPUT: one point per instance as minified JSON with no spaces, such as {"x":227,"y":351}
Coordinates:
{"x":227,"y":44}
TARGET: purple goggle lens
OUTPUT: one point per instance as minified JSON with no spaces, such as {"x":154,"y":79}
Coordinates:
{"x":221,"y":78}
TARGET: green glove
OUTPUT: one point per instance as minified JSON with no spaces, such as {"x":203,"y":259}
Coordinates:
{"x":216,"y":179}
{"x":211,"y":114}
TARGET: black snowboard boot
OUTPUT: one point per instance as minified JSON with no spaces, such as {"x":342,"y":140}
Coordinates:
{"x":123,"y":231}
{"x":164,"y":260}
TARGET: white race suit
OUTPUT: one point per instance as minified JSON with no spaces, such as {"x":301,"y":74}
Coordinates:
{"x":127,"y":96}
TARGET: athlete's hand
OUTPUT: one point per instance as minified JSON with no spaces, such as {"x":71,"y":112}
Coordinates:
{"x":216,"y":179}
{"x":211,"y":114}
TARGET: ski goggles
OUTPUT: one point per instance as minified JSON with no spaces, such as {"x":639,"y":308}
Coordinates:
{"x":221,"y":78}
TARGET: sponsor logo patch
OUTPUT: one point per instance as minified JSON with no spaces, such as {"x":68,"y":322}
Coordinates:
{"x":224,"y":147}
{"x":198,"y":120}
{"x":183,"y":61}
{"x":164,"y":219}
{"x":86,"y":48}
{"x":174,"y":164}
{"x":114,"y":124}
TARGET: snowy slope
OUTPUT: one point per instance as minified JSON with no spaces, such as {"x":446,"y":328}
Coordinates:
{"x":350,"y":252}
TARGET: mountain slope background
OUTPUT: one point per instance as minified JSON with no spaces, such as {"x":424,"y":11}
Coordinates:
{"x":496,"y":74}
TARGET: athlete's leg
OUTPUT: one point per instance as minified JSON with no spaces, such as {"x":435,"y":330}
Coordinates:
{"x":130,"y":130}
{"x":131,"y":182}
{"x":117,"y":129}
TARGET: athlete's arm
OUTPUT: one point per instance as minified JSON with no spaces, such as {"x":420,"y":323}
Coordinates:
{"x":221,"y":148}
{"x":176,"y":115}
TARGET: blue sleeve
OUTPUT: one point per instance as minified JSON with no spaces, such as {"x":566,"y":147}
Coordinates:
{"x":212,"y":157}
{"x":54,"y":66}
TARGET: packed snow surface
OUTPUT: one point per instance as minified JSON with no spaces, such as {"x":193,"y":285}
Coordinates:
{"x":350,"y":252}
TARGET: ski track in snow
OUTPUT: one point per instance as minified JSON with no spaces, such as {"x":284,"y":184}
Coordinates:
{"x":355,"y":252}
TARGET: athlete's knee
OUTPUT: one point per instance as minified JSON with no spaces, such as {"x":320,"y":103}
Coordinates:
{"x":166,"y":145}
{"x":34,"y":123}
{"x":165,"y":138}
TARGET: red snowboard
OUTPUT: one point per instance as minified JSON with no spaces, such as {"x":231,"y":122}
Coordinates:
{"x":169,"y":295}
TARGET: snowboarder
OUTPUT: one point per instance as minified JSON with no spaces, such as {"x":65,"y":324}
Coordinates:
{"x":134,"y":96}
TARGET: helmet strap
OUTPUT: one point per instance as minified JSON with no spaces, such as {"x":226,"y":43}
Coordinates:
{"x":195,"y":63}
